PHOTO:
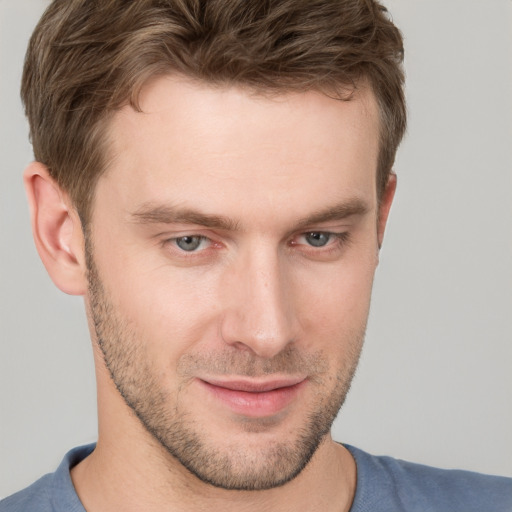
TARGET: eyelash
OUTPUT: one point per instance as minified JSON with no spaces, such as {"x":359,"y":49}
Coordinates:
{"x":336,"y":242}
{"x":335,"y":239}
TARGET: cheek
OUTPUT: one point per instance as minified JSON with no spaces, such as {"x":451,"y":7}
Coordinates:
{"x":335,"y":300}
{"x":166,"y":308}
{"x":173,"y":308}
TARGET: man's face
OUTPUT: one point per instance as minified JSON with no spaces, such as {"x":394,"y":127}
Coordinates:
{"x":231,"y":255}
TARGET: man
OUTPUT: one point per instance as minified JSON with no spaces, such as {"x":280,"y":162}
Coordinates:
{"x":215,"y":180}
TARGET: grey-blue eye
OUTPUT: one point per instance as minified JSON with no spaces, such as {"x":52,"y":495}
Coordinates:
{"x":317,"y":238}
{"x":189,"y":243}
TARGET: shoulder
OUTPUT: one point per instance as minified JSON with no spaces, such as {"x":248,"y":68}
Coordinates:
{"x":393,"y":484}
{"x":51,"y":493}
{"x":33,"y":498}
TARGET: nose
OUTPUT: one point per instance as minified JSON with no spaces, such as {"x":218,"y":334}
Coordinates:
{"x":260,"y":314}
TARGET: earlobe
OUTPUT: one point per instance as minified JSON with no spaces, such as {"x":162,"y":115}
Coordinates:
{"x":56,"y":229}
{"x":385,"y":206}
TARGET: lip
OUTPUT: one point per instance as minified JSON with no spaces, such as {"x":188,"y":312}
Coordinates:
{"x":253,"y":398}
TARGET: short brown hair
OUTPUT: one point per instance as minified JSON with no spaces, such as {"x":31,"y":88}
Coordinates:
{"x":87,"y":58}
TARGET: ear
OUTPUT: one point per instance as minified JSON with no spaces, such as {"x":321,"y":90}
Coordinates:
{"x":57,"y":230}
{"x":385,"y":206}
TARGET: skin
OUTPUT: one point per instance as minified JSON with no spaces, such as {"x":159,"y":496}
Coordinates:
{"x":256,"y":301}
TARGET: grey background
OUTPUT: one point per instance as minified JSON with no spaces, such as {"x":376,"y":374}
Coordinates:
{"x":434,"y":383}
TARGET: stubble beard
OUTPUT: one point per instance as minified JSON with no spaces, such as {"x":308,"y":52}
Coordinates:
{"x":273,"y":464}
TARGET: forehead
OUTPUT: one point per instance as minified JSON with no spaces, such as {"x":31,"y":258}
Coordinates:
{"x":217,"y":146}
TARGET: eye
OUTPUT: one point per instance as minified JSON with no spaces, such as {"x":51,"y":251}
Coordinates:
{"x":190,"y":243}
{"x":317,"y":238}
{"x":322,"y":243}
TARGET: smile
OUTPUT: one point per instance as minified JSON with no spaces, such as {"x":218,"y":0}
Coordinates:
{"x":255,"y":399}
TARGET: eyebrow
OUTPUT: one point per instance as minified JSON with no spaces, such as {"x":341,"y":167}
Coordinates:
{"x":341,"y":211}
{"x":166,"y":214}
{"x":160,"y":214}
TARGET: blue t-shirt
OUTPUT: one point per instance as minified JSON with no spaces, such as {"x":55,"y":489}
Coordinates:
{"x":384,"y":484}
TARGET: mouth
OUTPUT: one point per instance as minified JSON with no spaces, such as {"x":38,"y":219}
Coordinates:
{"x":253,"y":398}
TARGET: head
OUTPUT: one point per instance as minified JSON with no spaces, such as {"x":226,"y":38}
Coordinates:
{"x":215,"y":178}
